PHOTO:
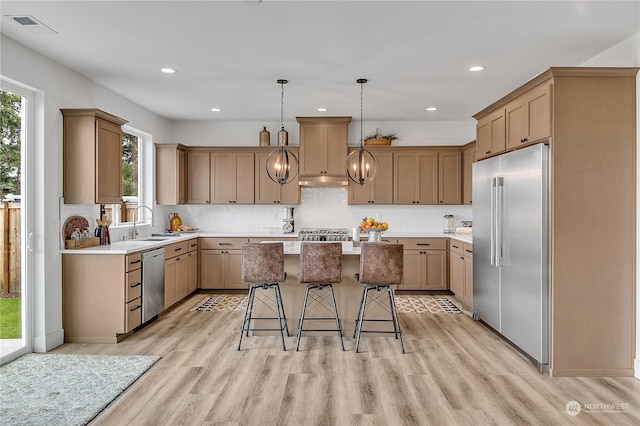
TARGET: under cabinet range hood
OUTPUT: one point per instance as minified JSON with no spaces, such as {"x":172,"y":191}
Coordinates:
{"x":323,"y":181}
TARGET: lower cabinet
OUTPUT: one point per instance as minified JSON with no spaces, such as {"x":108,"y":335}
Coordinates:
{"x":461,"y":271}
{"x":193,"y":265}
{"x":176,"y":273}
{"x":221,"y":263}
{"x":425,"y":263}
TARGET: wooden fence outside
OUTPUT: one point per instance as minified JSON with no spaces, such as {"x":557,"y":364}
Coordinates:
{"x":10,"y":248}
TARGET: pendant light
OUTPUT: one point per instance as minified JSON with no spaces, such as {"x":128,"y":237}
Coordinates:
{"x":361,"y":165}
{"x":282,"y":164}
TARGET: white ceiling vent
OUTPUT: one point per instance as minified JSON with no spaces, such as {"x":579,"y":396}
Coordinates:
{"x":31,"y":24}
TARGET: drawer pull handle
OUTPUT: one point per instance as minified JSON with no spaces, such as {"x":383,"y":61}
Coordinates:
{"x":194,"y":245}
{"x":456,"y":247}
{"x":462,"y":258}
{"x":135,"y":285}
{"x":423,"y":244}
{"x":177,"y":259}
{"x":135,"y":261}
{"x":469,"y":251}
{"x":136,"y":308}
{"x":225,"y":244}
{"x":178,"y":249}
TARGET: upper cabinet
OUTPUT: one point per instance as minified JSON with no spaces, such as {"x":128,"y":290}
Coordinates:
{"x":92,"y":154}
{"x":232,"y":177}
{"x":380,"y":190}
{"x":171,"y":179}
{"x":415,"y":177}
{"x":450,"y":177}
{"x":491,"y":134}
{"x":468,"y":158}
{"x":323,"y":147}
{"x":198,"y":177}
{"x":266,"y":190}
{"x":529,"y":116}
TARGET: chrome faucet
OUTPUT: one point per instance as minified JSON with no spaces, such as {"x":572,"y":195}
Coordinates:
{"x":135,"y":230}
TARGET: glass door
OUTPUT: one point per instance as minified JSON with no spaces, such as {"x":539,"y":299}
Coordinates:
{"x":15,"y":222}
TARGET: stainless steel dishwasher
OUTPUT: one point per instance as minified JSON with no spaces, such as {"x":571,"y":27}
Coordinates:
{"x":152,"y":283}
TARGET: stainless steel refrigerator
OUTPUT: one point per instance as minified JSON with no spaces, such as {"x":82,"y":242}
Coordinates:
{"x":510,"y":247}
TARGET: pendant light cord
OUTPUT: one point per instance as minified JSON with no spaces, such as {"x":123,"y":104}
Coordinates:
{"x":282,"y":105}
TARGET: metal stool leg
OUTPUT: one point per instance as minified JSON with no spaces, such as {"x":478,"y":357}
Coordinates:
{"x":281,"y":306}
{"x":280,"y":309}
{"x":355,"y":328}
{"x":363,"y":307}
{"x":335,"y":311}
{"x":247,"y":315}
{"x":304,"y":309}
{"x":394,"y":315}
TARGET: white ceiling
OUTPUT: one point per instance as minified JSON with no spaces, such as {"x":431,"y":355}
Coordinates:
{"x":229,"y":54}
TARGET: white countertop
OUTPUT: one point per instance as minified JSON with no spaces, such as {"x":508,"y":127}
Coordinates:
{"x":141,"y":244}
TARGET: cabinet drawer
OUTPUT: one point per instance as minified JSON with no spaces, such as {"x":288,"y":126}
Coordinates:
{"x":133,"y":312}
{"x":468,"y":250}
{"x":133,"y":285}
{"x":175,"y":249}
{"x":222,"y":243}
{"x":457,"y":247}
{"x":193,"y":244}
{"x":133,"y":261}
{"x":424,"y":243}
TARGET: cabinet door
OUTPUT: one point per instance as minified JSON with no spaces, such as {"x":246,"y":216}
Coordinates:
{"x":243,"y":178}
{"x":233,"y":270}
{"x":265,"y":188}
{"x":108,"y":162}
{"x":539,"y":105}
{"x":491,"y":134}
{"x":182,"y":277}
{"x":456,"y":274}
{"x":193,"y":272}
{"x":427,"y":164}
{"x":468,"y":281}
{"x":182,"y":177}
{"x":221,"y":178}
{"x":360,"y":194}
{"x":413,"y":274}
{"x":468,"y":158}
{"x":382,"y":189}
{"x":404,"y":183}
{"x":335,"y":149}
{"x":517,"y":122}
{"x":170,"y":175}
{"x":436,"y":261}
{"x":449,"y":177}
{"x":198,"y":178}
{"x":290,"y":192}
{"x":170,"y":282}
{"x":211,"y":269}
{"x":312,"y":149}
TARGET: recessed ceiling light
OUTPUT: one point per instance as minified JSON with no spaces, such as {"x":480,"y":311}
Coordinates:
{"x":432,"y":109}
{"x":476,"y":68}
{"x":168,"y":70}
{"x":322,"y":110}
{"x":216,"y":109}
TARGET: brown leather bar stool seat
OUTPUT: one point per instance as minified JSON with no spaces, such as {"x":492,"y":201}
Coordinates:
{"x":263,"y":269}
{"x":320,"y":268}
{"x":380,"y":267}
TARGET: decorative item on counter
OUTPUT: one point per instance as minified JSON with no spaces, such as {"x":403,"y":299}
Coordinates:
{"x":355,"y":234}
{"x":447,"y":224}
{"x":378,"y":138}
{"x":76,"y":235}
{"x":265,"y":137}
{"x":464,"y":230}
{"x":174,"y":222}
{"x":374,"y":229}
{"x":102,"y":231}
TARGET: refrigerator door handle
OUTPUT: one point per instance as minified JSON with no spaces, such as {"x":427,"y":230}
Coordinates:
{"x":499,"y":219}
{"x":492,"y":216}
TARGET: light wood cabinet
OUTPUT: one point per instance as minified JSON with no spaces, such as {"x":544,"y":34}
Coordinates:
{"x":198,"y":177}
{"x":425,"y":263}
{"x":269,"y":192}
{"x":232,"y":178}
{"x":323,"y":146}
{"x":461,"y":271}
{"x":529,"y":117}
{"x":101,"y":307}
{"x":92,"y":155}
{"x":449,"y":177}
{"x":221,"y":263}
{"x":171,"y":174}
{"x":468,"y":158}
{"x":176,"y":273}
{"x":193,"y":265}
{"x":380,"y":190}
{"x":491,"y":134}
{"x":415,"y":177}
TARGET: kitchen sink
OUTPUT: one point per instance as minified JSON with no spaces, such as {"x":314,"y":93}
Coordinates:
{"x":154,"y":239}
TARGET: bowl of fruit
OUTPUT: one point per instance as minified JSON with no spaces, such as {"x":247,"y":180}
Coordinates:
{"x":374,"y":228}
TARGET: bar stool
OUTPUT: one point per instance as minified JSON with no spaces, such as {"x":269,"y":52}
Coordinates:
{"x":263,"y":268}
{"x":380,"y":266}
{"x":320,"y":268}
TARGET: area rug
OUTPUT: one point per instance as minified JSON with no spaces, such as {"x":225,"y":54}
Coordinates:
{"x":61,"y":389}
{"x":404,"y":304}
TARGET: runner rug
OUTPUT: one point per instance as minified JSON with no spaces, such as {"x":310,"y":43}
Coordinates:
{"x":404,"y":304}
{"x":61,"y":389}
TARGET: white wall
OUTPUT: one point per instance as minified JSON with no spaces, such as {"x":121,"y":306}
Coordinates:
{"x":59,"y":87}
{"x":627,"y":54}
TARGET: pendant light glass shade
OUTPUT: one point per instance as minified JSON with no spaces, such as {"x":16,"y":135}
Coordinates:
{"x":282,"y":164}
{"x":361,"y":165}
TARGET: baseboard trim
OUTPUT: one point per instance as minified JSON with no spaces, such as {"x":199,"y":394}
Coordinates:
{"x":46,"y":343}
{"x":613,"y":372}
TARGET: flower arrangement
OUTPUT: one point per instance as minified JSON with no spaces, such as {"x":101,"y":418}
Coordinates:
{"x":378,"y":138}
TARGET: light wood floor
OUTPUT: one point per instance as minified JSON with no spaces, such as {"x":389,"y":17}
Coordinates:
{"x":454,"y":372}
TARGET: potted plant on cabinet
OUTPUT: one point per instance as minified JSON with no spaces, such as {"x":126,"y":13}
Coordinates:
{"x":378,"y":138}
